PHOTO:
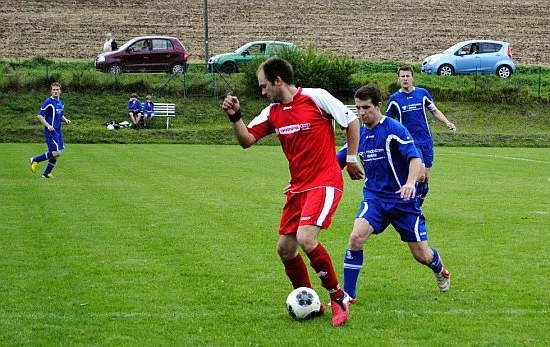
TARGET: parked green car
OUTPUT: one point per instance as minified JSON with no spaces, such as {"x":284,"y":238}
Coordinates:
{"x":232,"y":62}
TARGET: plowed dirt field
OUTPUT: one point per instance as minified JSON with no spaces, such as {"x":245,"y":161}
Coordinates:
{"x":375,"y":30}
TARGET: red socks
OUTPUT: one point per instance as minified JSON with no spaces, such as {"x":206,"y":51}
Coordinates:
{"x":322,"y":264}
{"x":296,"y":271}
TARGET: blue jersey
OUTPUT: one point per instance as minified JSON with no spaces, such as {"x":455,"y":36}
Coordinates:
{"x":53,"y":111}
{"x":148,"y":107}
{"x":134,"y":105}
{"x":385,"y":152}
{"x":410,"y":110}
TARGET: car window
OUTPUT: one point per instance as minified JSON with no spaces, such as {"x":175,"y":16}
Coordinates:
{"x":141,"y":45}
{"x":471,"y":48}
{"x":162,"y":44}
{"x":489,"y":47}
{"x":257,"y":49}
{"x":466,"y":49}
{"x":276,"y":48}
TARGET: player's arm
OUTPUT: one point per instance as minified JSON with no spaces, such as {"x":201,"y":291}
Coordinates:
{"x":352,"y":163}
{"x":408,"y":190}
{"x":45,"y":123}
{"x":441,"y":117}
{"x":341,"y":155}
{"x":232,"y":107}
{"x":66,"y":120}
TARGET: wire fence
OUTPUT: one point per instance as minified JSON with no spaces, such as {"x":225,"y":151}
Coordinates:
{"x":526,"y":84}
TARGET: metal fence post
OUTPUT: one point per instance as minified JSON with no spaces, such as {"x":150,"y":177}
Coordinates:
{"x":212,"y":82}
{"x":185,"y":82}
{"x":540,"y":74}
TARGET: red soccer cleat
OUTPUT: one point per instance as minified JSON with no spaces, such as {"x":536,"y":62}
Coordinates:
{"x":340,"y":310}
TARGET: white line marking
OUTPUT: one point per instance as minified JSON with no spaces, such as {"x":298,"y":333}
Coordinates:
{"x":502,"y":157}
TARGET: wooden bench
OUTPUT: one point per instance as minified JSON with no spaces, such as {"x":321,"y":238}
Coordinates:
{"x":165,"y":110}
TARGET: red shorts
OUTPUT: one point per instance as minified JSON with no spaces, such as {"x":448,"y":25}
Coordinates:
{"x":312,"y":207}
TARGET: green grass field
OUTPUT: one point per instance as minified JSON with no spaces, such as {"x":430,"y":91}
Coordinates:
{"x":175,"y":245}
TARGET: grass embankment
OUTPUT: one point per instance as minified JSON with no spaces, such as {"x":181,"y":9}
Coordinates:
{"x":201,"y":121}
{"x":488,"y":111}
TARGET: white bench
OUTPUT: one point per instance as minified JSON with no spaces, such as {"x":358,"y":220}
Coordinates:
{"x":352,"y":108}
{"x":165,"y":110}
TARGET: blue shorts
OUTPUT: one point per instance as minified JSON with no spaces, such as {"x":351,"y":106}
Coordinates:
{"x":405,"y":217}
{"x":54,"y":140}
{"x":426,"y":150}
{"x":149,"y":114}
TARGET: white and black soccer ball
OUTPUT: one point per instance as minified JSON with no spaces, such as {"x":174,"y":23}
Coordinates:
{"x":303,"y":303}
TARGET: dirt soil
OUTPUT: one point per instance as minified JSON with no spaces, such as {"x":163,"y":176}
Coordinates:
{"x":380,"y":30}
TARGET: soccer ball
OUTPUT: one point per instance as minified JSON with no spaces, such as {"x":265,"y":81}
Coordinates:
{"x":303,"y":303}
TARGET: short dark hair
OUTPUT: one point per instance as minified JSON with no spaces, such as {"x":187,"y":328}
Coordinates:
{"x":276,"y":67}
{"x":134,"y":95}
{"x":406,"y":68}
{"x":370,"y":91}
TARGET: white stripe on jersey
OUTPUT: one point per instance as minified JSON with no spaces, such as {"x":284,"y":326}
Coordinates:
{"x":329,"y":104}
{"x":388,"y":153}
{"x":430,"y":106}
{"x":46,"y":113}
{"x":262,"y":117}
{"x":329,"y":199}
{"x":394,"y":103}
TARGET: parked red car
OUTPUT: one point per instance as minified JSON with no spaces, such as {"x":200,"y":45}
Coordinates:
{"x":145,"y":54}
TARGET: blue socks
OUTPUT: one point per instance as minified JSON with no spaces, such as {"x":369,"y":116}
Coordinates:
{"x":51,"y":165}
{"x":353,"y":262}
{"x":42,"y":157}
{"x":436,"y":265}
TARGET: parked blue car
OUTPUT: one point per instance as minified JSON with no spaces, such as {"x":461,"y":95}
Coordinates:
{"x":474,"y":56}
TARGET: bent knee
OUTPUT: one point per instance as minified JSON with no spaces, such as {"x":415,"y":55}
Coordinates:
{"x":360,"y":233}
{"x":423,"y":258}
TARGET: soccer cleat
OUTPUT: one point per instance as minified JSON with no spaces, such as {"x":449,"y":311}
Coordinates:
{"x":47,"y":176}
{"x":443,"y":280}
{"x":34,"y":165}
{"x":340,"y":310}
{"x":352,"y":300}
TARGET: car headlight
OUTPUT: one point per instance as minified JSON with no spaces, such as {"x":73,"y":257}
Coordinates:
{"x":213,"y":60}
{"x":101,"y":59}
{"x":431,"y":60}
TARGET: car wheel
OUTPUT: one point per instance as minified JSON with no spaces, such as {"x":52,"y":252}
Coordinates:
{"x":228,"y":67}
{"x":178,"y":69}
{"x":504,"y":71}
{"x":115,"y":68}
{"x":446,"y":70}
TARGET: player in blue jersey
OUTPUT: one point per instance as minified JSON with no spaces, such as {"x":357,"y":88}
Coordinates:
{"x":135,"y":110}
{"x":392,"y":164}
{"x":148,"y":111}
{"x":51,"y":115}
{"x":408,"y":105}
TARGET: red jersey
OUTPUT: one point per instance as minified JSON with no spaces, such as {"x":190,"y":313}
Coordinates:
{"x":304,"y":128}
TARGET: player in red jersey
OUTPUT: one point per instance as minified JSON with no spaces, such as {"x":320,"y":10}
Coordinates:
{"x":302,"y":118}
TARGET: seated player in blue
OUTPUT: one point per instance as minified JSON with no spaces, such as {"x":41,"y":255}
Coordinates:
{"x":51,"y":114}
{"x":408,"y":105}
{"x":148,"y":111}
{"x":135,"y":110}
{"x":392,"y":164}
